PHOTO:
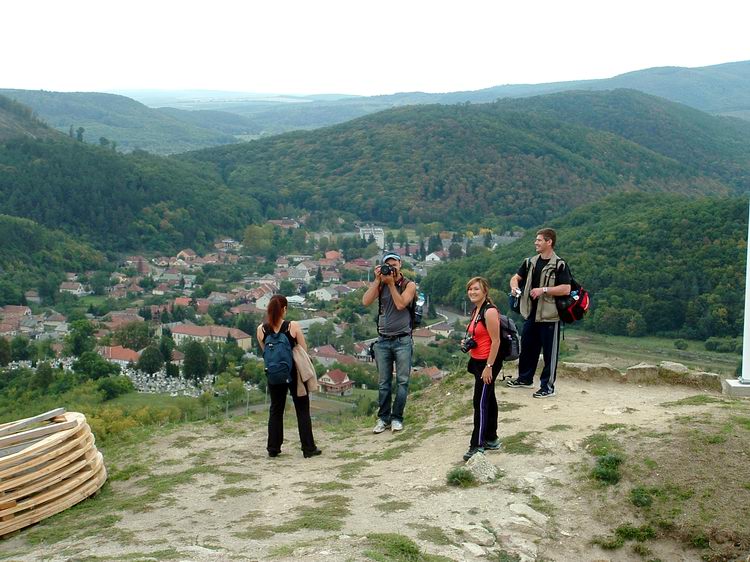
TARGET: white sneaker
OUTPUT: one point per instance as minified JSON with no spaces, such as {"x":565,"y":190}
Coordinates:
{"x":396,"y":426}
{"x":380,"y":427}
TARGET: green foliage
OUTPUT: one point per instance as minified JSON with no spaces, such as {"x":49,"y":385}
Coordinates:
{"x":724,"y":344}
{"x":195,"y":365}
{"x":690,"y":290}
{"x":80,"y":338}
{"x":91,"y":365}
{"x":118,"y":202}
{"x":133,"y":335}
{"x":607,"y":468}
{"x":151,"y":360}
{"x":680,"y":344}
{"x":114,"y":386}
{"x":461,"y":477}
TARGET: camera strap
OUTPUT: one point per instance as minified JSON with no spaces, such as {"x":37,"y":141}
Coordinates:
{"x":480,"y":316}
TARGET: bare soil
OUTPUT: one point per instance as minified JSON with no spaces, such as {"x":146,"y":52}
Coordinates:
{"x":235,"y":503}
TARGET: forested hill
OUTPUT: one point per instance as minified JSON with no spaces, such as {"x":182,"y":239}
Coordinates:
{"x":719,"y":146}
{"x":653,"y":263}
{"x":127,"y":122}
{"x":33,"y":256}
{"x":17,"y":120}
{"x":490,"y":164}
{"x":110,"y":200}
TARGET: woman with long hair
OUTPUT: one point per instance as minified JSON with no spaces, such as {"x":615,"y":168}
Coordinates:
{"x":482,"y":341}
{"x":274,"y":323}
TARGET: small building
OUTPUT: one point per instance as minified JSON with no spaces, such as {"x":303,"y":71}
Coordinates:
{"x":335,"y":382}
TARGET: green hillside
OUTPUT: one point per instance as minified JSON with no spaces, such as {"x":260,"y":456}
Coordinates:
{"x":30,"y":254}
{"x":130,"y":124}
{"x":17,"y":120}
{"x":490,"y":164}
{"x":655,"y":264}
{"x":117,"y":201}
{"x":717,"y":146}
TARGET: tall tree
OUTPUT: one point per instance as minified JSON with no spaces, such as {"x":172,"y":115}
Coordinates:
{"x":195,"y":366}
{"x":151,"y":360}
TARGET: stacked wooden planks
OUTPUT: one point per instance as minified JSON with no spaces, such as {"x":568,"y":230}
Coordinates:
{"x":47,"y":464}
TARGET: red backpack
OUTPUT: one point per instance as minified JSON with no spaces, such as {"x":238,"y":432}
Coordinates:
{"x":573,"y":307}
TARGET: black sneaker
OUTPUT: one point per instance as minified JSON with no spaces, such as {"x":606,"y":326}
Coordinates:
{"x":472,"y":451}
{"x":493,"y":445}
{"x":544,"y":393}
{"x":515,"y":383}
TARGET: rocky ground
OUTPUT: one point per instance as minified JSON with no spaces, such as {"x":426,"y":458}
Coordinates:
{"x":209,"y":492}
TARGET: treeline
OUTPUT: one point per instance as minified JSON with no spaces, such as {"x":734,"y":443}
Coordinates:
{"x":32,"y":256}
{"x":655,"y":264}
{"x":496,"y":164}
{"x":118,"y":202}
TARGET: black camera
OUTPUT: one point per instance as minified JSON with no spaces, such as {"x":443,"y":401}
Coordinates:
{"x":387,"y":269}
{"x":467,"y":344}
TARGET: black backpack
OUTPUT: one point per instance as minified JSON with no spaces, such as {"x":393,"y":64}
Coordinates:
{"x":510,"y":342}
{"x":277,"y":355}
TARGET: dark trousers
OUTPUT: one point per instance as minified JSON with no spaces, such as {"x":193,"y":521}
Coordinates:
{"x":278,"y":394}
{"x":485,"y":403}
{"x":536,"y":338}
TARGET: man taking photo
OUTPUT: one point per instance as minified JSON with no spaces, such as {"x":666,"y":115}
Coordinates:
{"x":394,"y":294}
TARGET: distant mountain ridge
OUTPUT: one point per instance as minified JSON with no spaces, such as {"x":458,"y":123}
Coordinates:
{"x":173,"y":123}
{"x":129,"y":123}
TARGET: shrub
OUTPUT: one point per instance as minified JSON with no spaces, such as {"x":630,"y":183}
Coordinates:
{"x":680,"y":344}
{"x":461,"y":477}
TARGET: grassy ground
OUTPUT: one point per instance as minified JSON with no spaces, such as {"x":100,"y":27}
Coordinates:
{"x":687,"y":481}
{"x":622,"y":352}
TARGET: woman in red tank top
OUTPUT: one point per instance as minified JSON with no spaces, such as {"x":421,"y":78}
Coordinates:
{"x":484,"y":364}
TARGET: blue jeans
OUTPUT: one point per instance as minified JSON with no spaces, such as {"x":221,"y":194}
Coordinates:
{"x":388,"y":352}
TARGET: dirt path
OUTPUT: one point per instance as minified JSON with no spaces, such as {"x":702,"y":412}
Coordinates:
{"x":215,"y":495}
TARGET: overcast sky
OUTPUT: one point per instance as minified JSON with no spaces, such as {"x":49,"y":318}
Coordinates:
{"x":355,"y":46}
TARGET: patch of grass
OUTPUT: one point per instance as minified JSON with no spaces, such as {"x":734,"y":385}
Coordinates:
{"x":607,"y":468}
{"x":742,"y":421}
{"x":611,"y":426}
{"x":130,"y":471}
{"x":390,"y":453}
{"x":350,"y":470}
{"x":697,"y":400}
{"x":391,"y":547}
{"x":640,"y":534}
{"x":461,"y":477}
{"x":542,"y":506}
{"x":258,"y":533}
{"x":641,"y":497}
{"x":508,"y":406}
{"x":333,"y":486}
{"x":600,"y":444}
{"x":183,"y":442}
{"x":325,"y":517}
{"x":508,"y":420}
{"x":231,"y":492}
{"x":236,"y":477}
{"x":429,"y":533}
{"x":518,"y":444}
{"x":346,"y":455}
{"x":424,"y":434}
{"x":505,"y":556}
{"x":391,"y":506}
{"x":559,"y":427}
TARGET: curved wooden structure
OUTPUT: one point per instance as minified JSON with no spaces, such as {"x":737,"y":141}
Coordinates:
{"x":48,"y":463}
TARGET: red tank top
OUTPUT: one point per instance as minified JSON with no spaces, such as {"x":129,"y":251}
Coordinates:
{"x":480,"y":334}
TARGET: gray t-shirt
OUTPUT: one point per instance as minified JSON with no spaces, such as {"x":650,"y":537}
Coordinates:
{"x":392,"y":321}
